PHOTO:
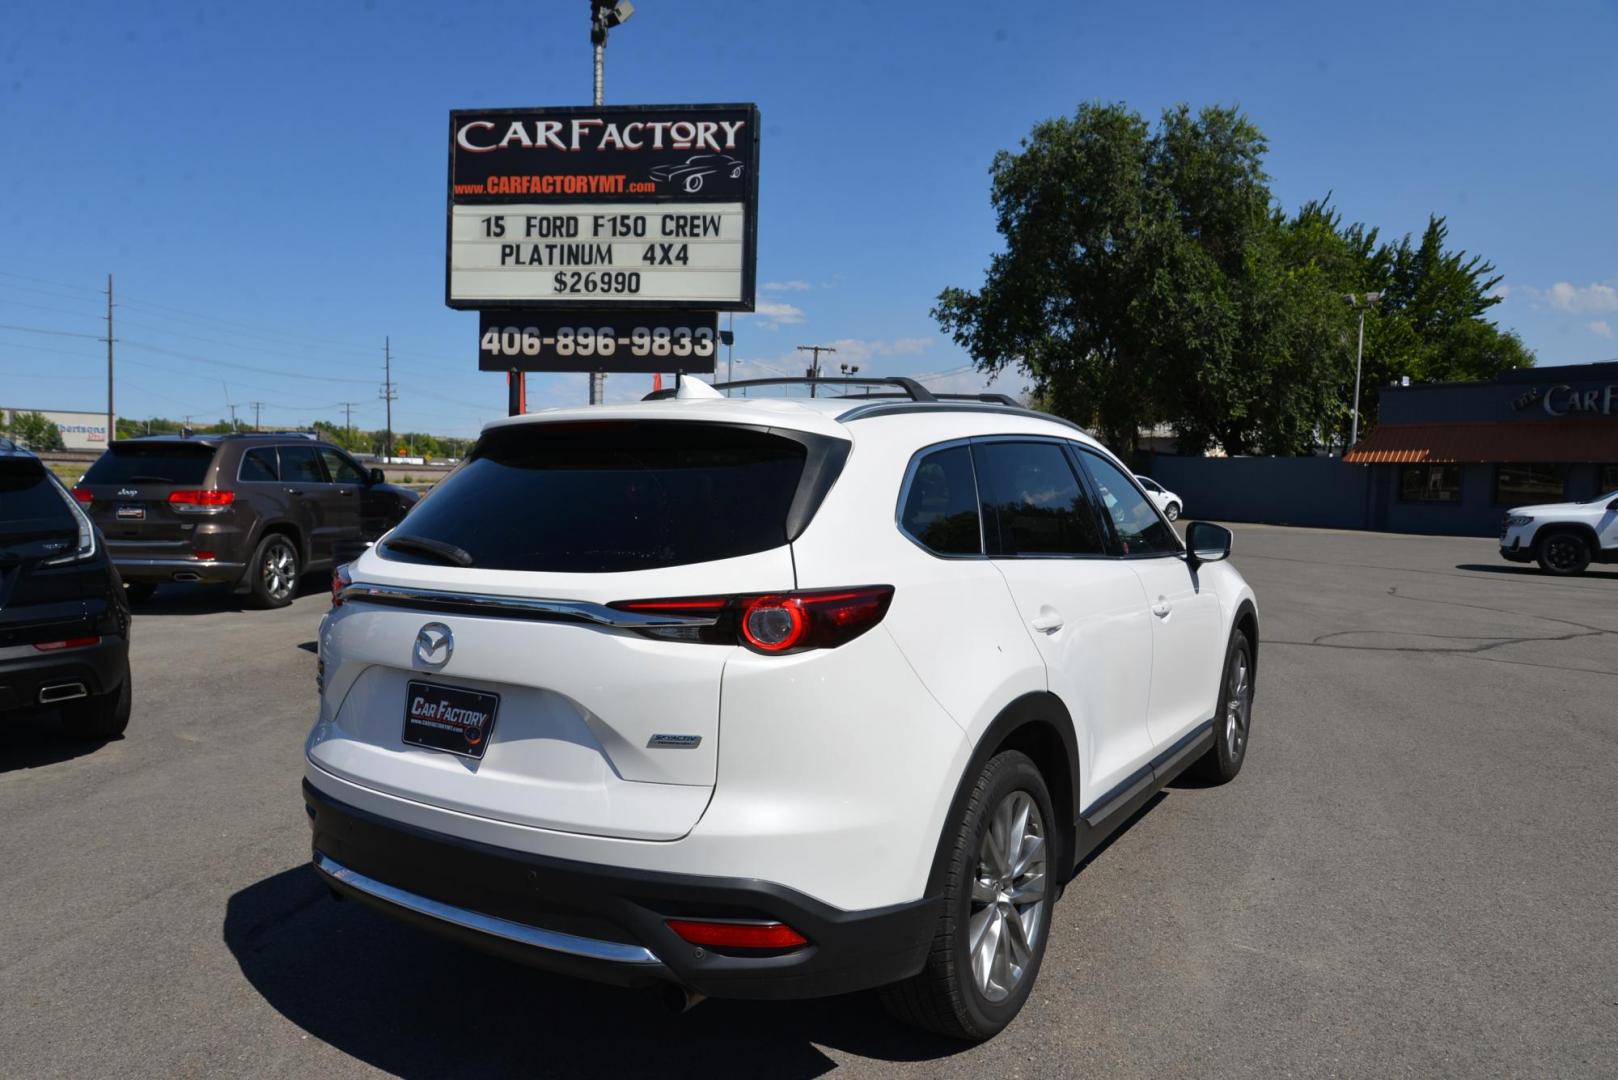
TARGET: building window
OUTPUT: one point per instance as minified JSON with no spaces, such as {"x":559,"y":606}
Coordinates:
{"x":1521,"y":485}
{"x":1609,"y":480}
{"x":1430,"y":483}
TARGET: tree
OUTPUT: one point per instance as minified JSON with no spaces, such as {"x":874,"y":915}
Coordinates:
{"x":35,"y":431}
{"x":1147,"y":276}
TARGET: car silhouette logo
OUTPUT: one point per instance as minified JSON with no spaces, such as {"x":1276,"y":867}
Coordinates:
{"x":434,"y":645}
{"x":697,"y":168}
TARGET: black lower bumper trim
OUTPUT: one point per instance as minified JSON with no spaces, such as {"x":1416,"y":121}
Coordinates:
{"x":617,"y":909}
{"x":101,"y":668}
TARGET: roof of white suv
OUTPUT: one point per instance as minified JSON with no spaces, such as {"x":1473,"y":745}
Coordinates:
{"x":829,"y":416}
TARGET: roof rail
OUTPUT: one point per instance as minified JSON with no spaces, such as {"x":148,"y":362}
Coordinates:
{"x":912,"y":389}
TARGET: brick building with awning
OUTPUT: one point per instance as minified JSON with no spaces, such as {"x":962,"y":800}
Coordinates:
{"x":1453,"y":457}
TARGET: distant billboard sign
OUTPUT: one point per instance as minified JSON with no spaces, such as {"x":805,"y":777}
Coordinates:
{"x":80,"y":430}
{"x":606,"y":208}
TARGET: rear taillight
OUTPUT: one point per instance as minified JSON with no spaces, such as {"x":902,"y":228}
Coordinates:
{"x":772,"y":623}
{"x":340,"y":580}
{"x":201,"y":502}
{"x":66,"y":643}
{"x":82,"y":494}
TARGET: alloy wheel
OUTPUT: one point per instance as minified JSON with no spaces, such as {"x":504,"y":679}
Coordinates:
{"x":1238,"y":705}
{"x":1562,"y":552}
{"x":1008,"y":896}
{"x":279,"y":570}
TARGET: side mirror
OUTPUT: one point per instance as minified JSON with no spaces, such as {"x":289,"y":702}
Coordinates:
{"x":1206,"y":542}
{"x":376,"y":477}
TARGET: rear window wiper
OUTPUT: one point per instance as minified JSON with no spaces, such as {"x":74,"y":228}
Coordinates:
{"x":422,"y":545}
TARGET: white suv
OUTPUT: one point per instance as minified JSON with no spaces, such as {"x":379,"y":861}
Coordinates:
{"x":770,"y":698}
{"x":1563,"y":538}
{"x":1167,"y":501}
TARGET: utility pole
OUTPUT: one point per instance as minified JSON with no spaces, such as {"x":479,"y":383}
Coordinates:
{"x":814,"y":370}
{"x":348,"y":417}
{"x":257,"y":405}
{"x":604,"y":15}
{"x":232,"y":407}
{"x":112,"y":429}
{"x":1361,"y":302}
{"x":388,"y":392}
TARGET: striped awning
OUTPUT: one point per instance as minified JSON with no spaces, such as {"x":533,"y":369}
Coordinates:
{"x":1490,"y":441}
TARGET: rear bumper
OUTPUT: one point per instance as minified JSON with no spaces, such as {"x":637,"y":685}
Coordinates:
{"x":148,"y":570}
{"x":608,"y":923}
{"x":24,"y":671}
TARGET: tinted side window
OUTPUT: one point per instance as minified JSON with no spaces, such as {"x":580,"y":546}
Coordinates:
{"x":258,"y":465}
{"x":941,"y":504}
{"x":341,"y":469}
{"x":1032,"y":501}
{"x":300,"y":465}
{"x":27,"y":494}
{"x":1140,"y":530}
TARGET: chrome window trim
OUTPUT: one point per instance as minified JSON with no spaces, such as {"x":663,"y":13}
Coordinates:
{"x":550,"y":940}
{"x":242,"y":461}
{"x":532,"y":607}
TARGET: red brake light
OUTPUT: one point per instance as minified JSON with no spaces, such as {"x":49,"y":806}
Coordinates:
{"x":340,"y":580}
{"x":82,"y":494}
{"x":203,"y":556}
{"x":772,"y":623}
{"x":202,"y":498}
{"x":69,"y":643}
{"x":738,"y":935}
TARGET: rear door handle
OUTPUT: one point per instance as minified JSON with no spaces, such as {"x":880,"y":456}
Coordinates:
{"x":1162,"y":608}
{"x":1048,"y":623}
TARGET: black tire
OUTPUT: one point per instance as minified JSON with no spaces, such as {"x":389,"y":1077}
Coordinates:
{"x":272,"y":575}
{"x":139,"y":592}
{"x":945,"y":996}
{"x":1563,"y":552}
{"x":1233,"y":727}
{"x":104,"y":716}
{"x":1172,"y":511}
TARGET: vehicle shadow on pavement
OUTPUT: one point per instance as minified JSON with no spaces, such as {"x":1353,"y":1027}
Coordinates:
{"x":184,"y":598}
{"x":410,"y":1004}
{"x":1534,"y":571}
{"x":37,"y":741}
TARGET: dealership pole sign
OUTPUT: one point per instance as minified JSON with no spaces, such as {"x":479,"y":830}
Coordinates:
{"x":620,"y":209}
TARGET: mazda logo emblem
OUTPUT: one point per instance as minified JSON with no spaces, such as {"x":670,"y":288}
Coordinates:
{"x":434,"y":645}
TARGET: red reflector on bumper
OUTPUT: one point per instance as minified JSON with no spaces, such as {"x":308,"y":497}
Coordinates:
{"x":737,"y":935}
{"x":70,"y":643}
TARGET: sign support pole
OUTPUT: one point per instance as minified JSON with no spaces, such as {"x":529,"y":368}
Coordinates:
{"x":598,"y":379}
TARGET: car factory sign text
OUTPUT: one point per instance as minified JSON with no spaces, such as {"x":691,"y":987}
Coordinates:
{"x":623,"y":207}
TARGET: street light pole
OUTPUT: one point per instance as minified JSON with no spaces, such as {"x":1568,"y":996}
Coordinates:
{"x":604,"y":15}
{"x":1359,"y":356}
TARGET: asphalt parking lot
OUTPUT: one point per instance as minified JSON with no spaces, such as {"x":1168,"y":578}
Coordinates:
{"x":1415,"y":875}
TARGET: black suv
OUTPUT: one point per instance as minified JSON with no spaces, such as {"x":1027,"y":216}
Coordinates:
{"x":251,"y":510}
{"x":64,"y":621}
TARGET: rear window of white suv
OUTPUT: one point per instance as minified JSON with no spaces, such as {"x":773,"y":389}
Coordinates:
{"x":606,"y":496}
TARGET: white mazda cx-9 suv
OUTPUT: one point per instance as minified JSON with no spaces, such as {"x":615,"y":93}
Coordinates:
{"x":769,"y":697}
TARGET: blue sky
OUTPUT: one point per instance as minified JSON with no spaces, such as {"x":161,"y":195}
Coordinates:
{"x":267,"y":181}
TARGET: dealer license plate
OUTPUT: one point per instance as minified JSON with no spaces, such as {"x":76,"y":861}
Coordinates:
{"x":449,"y":718}
{"x":132,"y":513}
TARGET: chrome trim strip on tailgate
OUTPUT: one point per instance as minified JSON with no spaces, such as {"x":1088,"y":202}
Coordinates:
{"x":518,"y":606}
{"x":550,"y":940}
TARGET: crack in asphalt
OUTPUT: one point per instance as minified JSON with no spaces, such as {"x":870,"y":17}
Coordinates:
{"x":1484,"y":643}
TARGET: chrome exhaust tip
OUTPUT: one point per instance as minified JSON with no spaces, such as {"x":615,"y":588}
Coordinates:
{"x":680,"y":999}
{"x":187,"y":575}
{"x":67,"y":691}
